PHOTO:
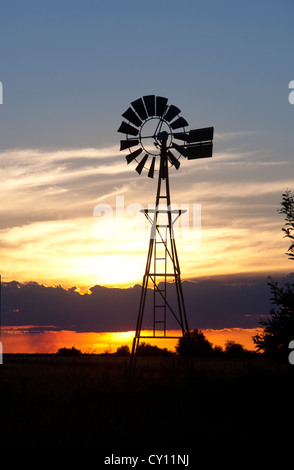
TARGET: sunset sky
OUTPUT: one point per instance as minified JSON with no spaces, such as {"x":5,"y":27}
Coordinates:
{"x":69,"y":69}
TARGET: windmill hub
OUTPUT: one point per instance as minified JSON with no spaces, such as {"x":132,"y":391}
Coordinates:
{"x":162,"y":136}
{"x":149,"y":135}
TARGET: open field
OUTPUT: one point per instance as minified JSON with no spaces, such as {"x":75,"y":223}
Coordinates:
{"x":87,"y":403}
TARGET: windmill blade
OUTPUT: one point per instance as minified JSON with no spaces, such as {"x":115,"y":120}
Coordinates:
{"x":201,"y":135}
{"x":180,"y":148}
{"x":174,"y":161}
{"x":127,"y":129}
{"x":181,"y":136}
{"x":201,"y":150}
{"x":160,"y":105}
{"x":149,"y":101}
{"x":180,"y":122}
{"x":133,"y":155}
{"x":126,"y":144}
{"x":151,"y":169}
{"x":140,"y":167}
{"x":131,"y":116}
{"x":172,"y":112}
{"x":139,"y":107}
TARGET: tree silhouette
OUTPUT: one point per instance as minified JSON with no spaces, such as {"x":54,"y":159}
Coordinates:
{"x":198,"y":345}
{"x":279,"y":325}
{"x":145,"y":349}
{"x":123,"y":350}
{"x":288,"y":210}
{"x":68,"y":352}
{"x":234,"y":349}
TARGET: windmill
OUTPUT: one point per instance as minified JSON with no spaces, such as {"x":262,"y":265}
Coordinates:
{"x":156,"y":138}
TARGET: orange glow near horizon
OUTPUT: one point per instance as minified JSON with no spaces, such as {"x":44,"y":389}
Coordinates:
{"x":21,"y":340}
{"x":66,"y":252}
{"x":58,"y":235}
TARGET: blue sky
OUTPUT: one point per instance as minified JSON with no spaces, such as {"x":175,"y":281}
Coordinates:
{"x":70,"y":68}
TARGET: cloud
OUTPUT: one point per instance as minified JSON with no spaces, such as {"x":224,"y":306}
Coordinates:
{"x":63,"y":182}
{"x":47,"y":224}
{"x":40,"y":185}
{"x":229,"y":136}
{"x":210,"y":303}
{"x":35,"y":170}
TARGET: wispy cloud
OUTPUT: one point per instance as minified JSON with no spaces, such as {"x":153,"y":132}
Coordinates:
{"x":40,"y":184}
{"x":49,"y":196}
{"x":225,"y":136}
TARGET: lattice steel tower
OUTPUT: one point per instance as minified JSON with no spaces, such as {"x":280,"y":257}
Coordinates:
{"x":153,"y":127}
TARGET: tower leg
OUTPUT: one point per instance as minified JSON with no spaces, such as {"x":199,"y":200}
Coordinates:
{"x":170,"y":254}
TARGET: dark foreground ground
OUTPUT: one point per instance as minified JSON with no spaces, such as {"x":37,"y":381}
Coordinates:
{"x":86,"y":403}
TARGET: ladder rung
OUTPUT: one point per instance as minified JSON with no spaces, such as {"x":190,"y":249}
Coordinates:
{"x":159,"y":321}
{"x":158,"y":258}
{"x":162,"y":274}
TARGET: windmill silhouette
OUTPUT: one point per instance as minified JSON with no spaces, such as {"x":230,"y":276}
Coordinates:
{"x":156,"y":138}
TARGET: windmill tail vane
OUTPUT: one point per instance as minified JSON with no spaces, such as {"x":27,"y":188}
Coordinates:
{"x":156,"y":139}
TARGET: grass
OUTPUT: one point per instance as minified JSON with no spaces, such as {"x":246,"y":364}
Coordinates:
{"x":87,"y":403}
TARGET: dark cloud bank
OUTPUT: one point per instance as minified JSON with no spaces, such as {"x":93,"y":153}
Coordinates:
{"x":213,"y":303}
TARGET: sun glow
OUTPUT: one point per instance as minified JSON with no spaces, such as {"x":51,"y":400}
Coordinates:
{"x":21,"y":339}
{"x":57,"y":232}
